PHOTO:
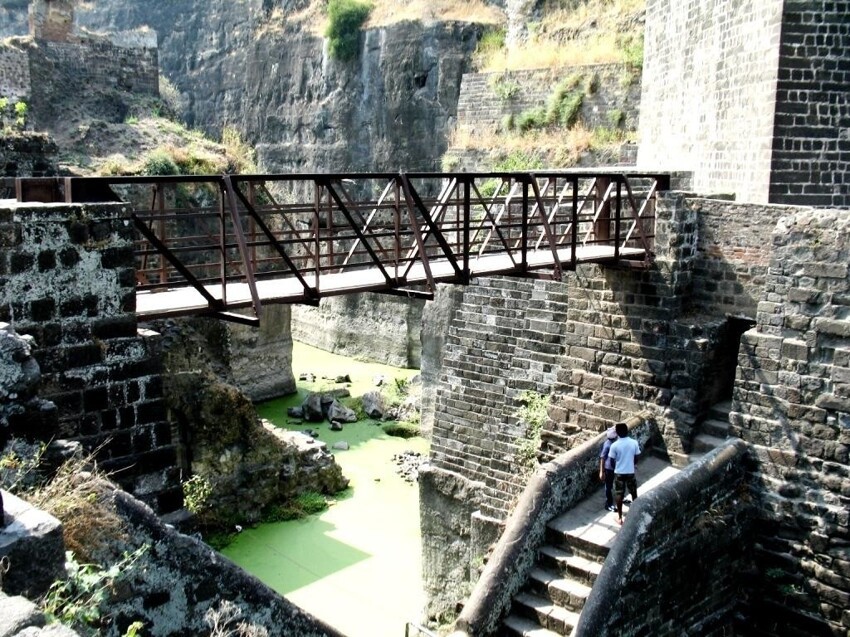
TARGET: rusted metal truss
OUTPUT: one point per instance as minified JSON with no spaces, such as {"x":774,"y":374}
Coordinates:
{"x":236,"y":241}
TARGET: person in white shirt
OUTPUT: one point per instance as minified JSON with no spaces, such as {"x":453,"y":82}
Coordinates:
{"x":624,"y":452}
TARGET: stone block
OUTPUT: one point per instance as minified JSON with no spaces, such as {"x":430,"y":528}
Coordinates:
{"x":32,"y":540}
{"x":18,"y":614}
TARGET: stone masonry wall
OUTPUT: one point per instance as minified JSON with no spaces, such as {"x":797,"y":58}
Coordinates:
{"x":792,"y":403}
{"x":14,"y":71}
{"x":487,"y":98}
{"x":681,"y":571}
{"x":811,"y":148}
{"x":708,"y":92}
{"x":505,"y":339}
{"x":68,"y":280}
{"x":733,"y":256}
{"x":110,"y":74}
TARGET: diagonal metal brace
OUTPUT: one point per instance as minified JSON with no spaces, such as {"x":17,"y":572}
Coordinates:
{"x":414,"y":202}
{"x":558,"y":271}
{"x":341,"y":205}
{"x":309,"y":292}
{"x":214,"y":303}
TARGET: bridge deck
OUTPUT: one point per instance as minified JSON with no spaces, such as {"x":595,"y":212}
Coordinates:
{"x":207,"y":244}
{"x":187,"y":300}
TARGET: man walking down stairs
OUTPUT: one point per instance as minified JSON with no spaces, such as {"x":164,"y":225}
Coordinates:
{"x":578,"y":541}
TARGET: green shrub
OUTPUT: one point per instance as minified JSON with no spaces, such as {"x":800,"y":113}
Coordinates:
{"x":449,"y":163}
{"x":632,"y":51}
{"x":305,"y":504}
{"x":532,"y":412}
{"x":616,"y":117}
{"x":401,"y":429}
{"x":564,"y":104}
{"x":531,"y":119}
{"x":81,"y":599}
{"x":343,"y":32}
{"x":159,"y":163}
{"x":518,"y":161}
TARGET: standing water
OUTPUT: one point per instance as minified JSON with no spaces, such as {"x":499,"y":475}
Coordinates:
{"x":357,"y":565}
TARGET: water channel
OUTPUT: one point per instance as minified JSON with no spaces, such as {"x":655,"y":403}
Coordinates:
{"x":357,"y":565}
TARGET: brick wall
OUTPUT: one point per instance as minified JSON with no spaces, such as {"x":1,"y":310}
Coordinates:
{"x":68,"y":280}
{"x":482,"y":106}
{"x":733,"y":256}
{"x":792,"y":403}
{"x":14,"y":71}
{"x":709,"y":87}
{"x":811,"y":148}
{"x":505,"y":339}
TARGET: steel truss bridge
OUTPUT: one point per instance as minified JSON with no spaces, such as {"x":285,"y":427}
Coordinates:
{"x":215,"y":244}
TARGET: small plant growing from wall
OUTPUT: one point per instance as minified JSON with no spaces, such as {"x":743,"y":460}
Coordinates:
{"x":196,"y":493}
{"x":562,"y":108}
{"x":346,"y":17}
{"x":505,"y":87}
{"x":532,"y":412}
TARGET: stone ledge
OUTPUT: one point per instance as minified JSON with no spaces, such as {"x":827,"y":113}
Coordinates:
{"x":33,"y":542}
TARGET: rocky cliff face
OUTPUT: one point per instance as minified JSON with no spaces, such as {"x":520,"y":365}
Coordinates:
{"x":390,"y":109}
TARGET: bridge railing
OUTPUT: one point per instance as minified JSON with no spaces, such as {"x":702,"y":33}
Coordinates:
{"x":389,"y":231}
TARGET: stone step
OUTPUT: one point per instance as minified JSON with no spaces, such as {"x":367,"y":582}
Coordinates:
{"x":545,"y":613}
{"x":704,"y":443}
{"x":565,"y":592}
{"x":589,"y":549}
{"x":568,"y":563}
{"x":516,"y":626}
{"x":716,"y":428}
{"x":720,"y":411}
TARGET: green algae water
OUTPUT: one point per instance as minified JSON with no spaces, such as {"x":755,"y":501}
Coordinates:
{"x":357,"y":565}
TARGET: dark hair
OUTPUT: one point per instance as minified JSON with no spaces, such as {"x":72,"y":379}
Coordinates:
{"x":622,"y":429}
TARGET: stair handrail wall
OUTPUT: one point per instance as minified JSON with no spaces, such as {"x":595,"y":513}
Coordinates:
{"x":641,"y":539}
{"x":554,"y":488}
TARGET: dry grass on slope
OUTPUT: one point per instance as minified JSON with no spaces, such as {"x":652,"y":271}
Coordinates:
{"x":585,"y":32}
{"x":313,"y":18}
{"x":391,"y":11}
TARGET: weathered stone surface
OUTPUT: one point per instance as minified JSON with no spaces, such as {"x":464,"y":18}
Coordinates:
{"x":337,"y":412}
{"x":70,"y":291}
{"x":261,"y":358}
{"x":373,"y":404}
{"x":32,"y":540}
{"x":448,"y":501}
{"x":17,"y":614}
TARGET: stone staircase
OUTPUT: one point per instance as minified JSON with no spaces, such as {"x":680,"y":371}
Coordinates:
{"x":578,"y":541}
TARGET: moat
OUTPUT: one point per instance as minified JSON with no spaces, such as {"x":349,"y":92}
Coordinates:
{"x":356,"y":565}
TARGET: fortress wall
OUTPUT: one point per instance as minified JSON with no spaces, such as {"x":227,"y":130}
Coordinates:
{"x":811,"y":148}
{"x":14,"y":72}
{"x":68,"y":280}
{"x":504,"y":340}
{"x":792,"y":403}
{"x":59,"y":69}
{"x":708,"y":92}
{"x":733,"y":256}
{"x":487,"y":98}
